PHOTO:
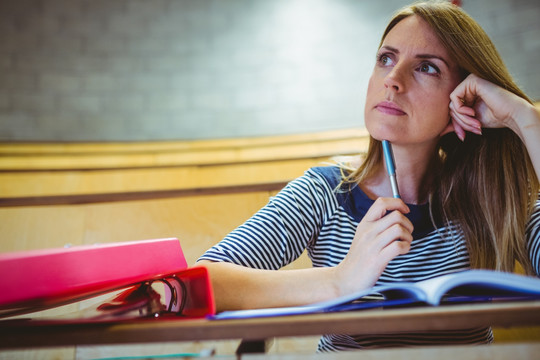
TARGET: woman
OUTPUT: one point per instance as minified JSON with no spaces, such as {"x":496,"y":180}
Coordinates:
{"x":463,"y":136}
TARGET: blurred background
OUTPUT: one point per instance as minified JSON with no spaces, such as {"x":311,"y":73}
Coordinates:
{"x":132,"y":70}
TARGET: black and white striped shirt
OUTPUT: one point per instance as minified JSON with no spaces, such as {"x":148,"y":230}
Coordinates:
{"x":309,"y":214}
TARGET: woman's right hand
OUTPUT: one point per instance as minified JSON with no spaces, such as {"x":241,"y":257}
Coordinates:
{"x":383,"y":234}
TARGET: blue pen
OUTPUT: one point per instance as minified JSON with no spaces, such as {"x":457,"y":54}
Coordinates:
{"x":390,"y":167}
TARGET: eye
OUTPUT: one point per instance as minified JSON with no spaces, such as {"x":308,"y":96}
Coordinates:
{"x":429,"y":68}
{"x":384,"y":60}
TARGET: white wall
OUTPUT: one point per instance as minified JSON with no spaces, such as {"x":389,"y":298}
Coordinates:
{"x":101,"y":70}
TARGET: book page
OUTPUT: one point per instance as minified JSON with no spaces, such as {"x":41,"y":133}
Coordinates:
{"x":483,"y":284}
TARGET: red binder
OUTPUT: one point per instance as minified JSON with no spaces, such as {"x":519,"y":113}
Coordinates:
{"x":47,"y":278}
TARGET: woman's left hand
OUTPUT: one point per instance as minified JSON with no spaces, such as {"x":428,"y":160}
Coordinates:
{"x":477,"y":103}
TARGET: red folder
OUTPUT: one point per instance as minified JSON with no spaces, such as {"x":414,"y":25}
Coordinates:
{"x":46,"y":278}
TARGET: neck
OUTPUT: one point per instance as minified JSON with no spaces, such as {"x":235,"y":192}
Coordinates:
{"x":414,"y":173}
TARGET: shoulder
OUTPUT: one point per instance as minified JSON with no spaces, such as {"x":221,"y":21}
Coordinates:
{"x":534,"y":221}
{"x":350,"y":197}
{"x":315,"y":189}
{"x":331,"y":175}
{"x":536,"y":209}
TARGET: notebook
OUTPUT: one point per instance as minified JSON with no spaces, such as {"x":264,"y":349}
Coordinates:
{"x":39,"y":279}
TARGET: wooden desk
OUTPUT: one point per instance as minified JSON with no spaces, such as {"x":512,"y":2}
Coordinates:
{"x":18,"y":335}
{"x":525,"y":351}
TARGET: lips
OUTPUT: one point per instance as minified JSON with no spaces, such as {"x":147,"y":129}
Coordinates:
{"x":387,"y":107}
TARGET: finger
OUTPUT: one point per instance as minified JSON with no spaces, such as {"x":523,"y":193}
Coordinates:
{"x":400,"y":243}
{"x":396,"y":232}
{"x":460,"y":107}
{"x":382,"y":206}
{"x":463,"y":113}
{"x":453,"y":126}
{"x":394,"y":249}
{"x":466,"y":122}
{"x":459,"y":104}
{"x":395,"y":218}
{"x":465,"y":94}
{"x":387,"y":230}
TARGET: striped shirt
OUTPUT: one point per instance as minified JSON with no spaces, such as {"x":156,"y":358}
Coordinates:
{"x":310,"y":214}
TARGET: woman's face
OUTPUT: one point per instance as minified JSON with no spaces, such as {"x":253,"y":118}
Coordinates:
{"x":409,"y":91}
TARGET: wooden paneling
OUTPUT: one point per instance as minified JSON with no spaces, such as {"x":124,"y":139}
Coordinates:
{"x":34,"y":174}
{"x":198,"y":221}
{"x":166,"y":146}
{"x":182,"y":153}
{"x":34,"y":184}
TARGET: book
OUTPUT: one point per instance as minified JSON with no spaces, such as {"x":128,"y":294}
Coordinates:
{"x":40,"y":279}
{"x":459,"y":287}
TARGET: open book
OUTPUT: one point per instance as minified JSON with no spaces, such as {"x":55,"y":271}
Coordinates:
{"x":459,"y":287}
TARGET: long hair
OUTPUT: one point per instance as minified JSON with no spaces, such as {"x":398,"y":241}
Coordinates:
{"x":486,"y":184}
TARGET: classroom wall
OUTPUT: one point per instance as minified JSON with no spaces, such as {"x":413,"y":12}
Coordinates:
{"x":100,"y":70}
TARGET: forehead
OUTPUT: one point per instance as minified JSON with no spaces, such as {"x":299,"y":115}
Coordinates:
{"x":414,"y":34}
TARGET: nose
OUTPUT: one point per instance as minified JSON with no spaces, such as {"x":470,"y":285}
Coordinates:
{"x":394,"y":80}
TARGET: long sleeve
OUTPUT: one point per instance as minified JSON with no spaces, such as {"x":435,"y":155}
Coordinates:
{"x":278,"y":233}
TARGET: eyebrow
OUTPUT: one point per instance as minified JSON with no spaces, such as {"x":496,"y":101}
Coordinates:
{"x":419,"y":56}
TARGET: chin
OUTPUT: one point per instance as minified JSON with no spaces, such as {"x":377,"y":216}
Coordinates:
{"x":383,"y":133}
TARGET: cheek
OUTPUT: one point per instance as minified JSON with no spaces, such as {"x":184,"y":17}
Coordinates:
{"x":437,"y":109}
{"x":370,"y":89}
{"x":370,"y":95}
{"x":368,"y":106}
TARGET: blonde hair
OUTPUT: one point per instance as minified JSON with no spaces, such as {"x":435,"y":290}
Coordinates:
{"x":486,"y":184}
